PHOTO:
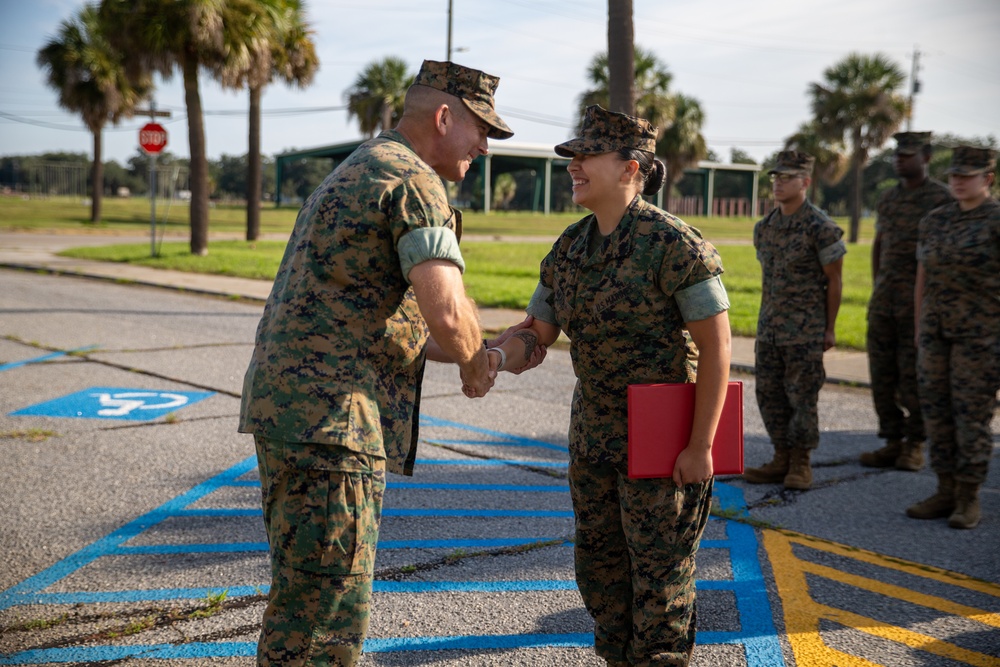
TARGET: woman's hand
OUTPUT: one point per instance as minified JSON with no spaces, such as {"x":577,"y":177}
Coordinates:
{"x":537,"y":353}
{"x":693,"y":465}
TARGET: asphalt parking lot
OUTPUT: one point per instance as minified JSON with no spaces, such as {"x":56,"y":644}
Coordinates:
{"x":132,"y":532}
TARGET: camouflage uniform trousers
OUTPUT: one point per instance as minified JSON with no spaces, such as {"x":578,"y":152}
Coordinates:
{"x":635,"y":548}
{"x":788,"y":380}
{"x":959,"y":379}
{"x":892,"y":364}
{"x":322,"y":507}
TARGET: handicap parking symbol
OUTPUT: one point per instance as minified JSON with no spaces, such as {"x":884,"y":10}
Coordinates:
{"x":116,"y":403}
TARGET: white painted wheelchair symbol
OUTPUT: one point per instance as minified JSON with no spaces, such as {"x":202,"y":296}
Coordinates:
{"x":123,"y":403}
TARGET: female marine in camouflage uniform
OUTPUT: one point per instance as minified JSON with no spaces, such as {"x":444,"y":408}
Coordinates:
{"x":958,"y":331}
{"x":624,"y":284}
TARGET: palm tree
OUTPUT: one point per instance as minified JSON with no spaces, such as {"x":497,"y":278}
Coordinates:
{"x":831,"y":162}
{"x":682,"y":144}
{"x":264,"y":39}
{"x":859,"y":102}
{"x":653,"y":102}
{"x":160,"y":35}
{"x":621,"y":57}
{"x":90,"y":78}
{"x":376,"y":98}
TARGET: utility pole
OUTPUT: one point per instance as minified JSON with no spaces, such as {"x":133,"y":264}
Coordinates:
{"x":914,"y":86}
{"x":449,"y":31}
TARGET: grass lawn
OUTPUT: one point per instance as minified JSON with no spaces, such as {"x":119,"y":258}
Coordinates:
{"x":505,"y":274}
{"x":500,"y":273}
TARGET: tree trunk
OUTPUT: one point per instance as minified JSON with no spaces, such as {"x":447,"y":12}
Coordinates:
{"x":621,"y":57}
{"x":254,"y":178}
{"x":858,"y":167}
{"x":96,"y":180}
{"x":386,"y":116}
{"x":199,"y":163}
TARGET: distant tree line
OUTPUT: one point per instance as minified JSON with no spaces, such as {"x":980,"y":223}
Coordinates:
{"x":227,"y":175}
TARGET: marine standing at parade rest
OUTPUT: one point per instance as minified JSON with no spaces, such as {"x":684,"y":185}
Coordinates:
{"x":892,"y":352}
{"x":624,"y":284}
{"x":958,"y":333}
{"x":370,"y":287}
{"x":801,"y":255}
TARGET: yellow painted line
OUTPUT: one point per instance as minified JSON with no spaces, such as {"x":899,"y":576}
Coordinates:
{"x":910,"y":567}
{"x":898,"y":592}
{"x":908,"y":637}
{"x":803,"y":614}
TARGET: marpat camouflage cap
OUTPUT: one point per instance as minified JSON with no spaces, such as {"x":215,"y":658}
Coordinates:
{"x":606,"y":131}
{"x":911,"y":143}
{"x":970,"y":160}
{"x":794,"y":162}
{"x":473,"y":87}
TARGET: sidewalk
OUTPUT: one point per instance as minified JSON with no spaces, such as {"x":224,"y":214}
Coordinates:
{"x":35,"y":252}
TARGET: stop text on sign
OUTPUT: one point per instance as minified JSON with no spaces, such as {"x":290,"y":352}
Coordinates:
{"x":152,"y":137}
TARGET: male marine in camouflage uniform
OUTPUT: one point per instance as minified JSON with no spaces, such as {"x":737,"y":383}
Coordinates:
{"x":958,"y":352}
{"x":892,"y":353}
{"x":369,"y":287}
{"x":801,"y":255}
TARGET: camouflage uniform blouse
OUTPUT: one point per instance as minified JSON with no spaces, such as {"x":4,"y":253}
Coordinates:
{"x":792,"y":252}
{"x":960,"y":251}
{"x":624,"y":306}
{"x":339,"y":353}
{"x":899,"y":213}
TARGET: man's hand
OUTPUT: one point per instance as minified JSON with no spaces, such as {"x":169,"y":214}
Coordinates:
{"x":829,"y":340}
{"x":479,"y":375}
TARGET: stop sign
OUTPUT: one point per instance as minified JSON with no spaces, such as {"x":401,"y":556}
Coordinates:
{"x":152,"y":138}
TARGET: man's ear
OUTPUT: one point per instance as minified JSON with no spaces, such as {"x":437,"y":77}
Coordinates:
{"x":443,"y":118}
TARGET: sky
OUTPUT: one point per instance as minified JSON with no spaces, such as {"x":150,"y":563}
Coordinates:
{"x":749,"y":63}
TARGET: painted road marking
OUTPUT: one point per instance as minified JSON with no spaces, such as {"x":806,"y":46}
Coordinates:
{"x":38,"y":360}
{"x":803,"y":614}
{"x":756,"y":629}
{"x":115,"y":403}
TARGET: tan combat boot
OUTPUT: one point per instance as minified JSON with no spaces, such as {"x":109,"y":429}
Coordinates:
{"x":769,"y":473}
{"x":938,"y":506}
{"x":800,"y":475}
{"x":966,"y":514}
{"x":884,"y":457}
{"x":912,"y":456}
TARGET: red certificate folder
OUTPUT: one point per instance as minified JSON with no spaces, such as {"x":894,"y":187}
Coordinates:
{"x":659,"y":427}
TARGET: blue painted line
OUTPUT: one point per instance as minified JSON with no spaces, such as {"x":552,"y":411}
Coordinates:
{"x":245,"y":482}
{"x":555,"y":488}
{"x":36,"y":360}
{"x":88,"y":654}
{"x":112,"y":543}
{"x":527,"y":442}
{"x":387,"y":645}
{"x":491,"y":462}
{"x":218,"y":511}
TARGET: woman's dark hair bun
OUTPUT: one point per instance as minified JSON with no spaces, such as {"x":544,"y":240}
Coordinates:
{"x":655,"y":178}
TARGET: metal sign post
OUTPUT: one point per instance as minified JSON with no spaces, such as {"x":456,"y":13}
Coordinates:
{"x":152,"y":139}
